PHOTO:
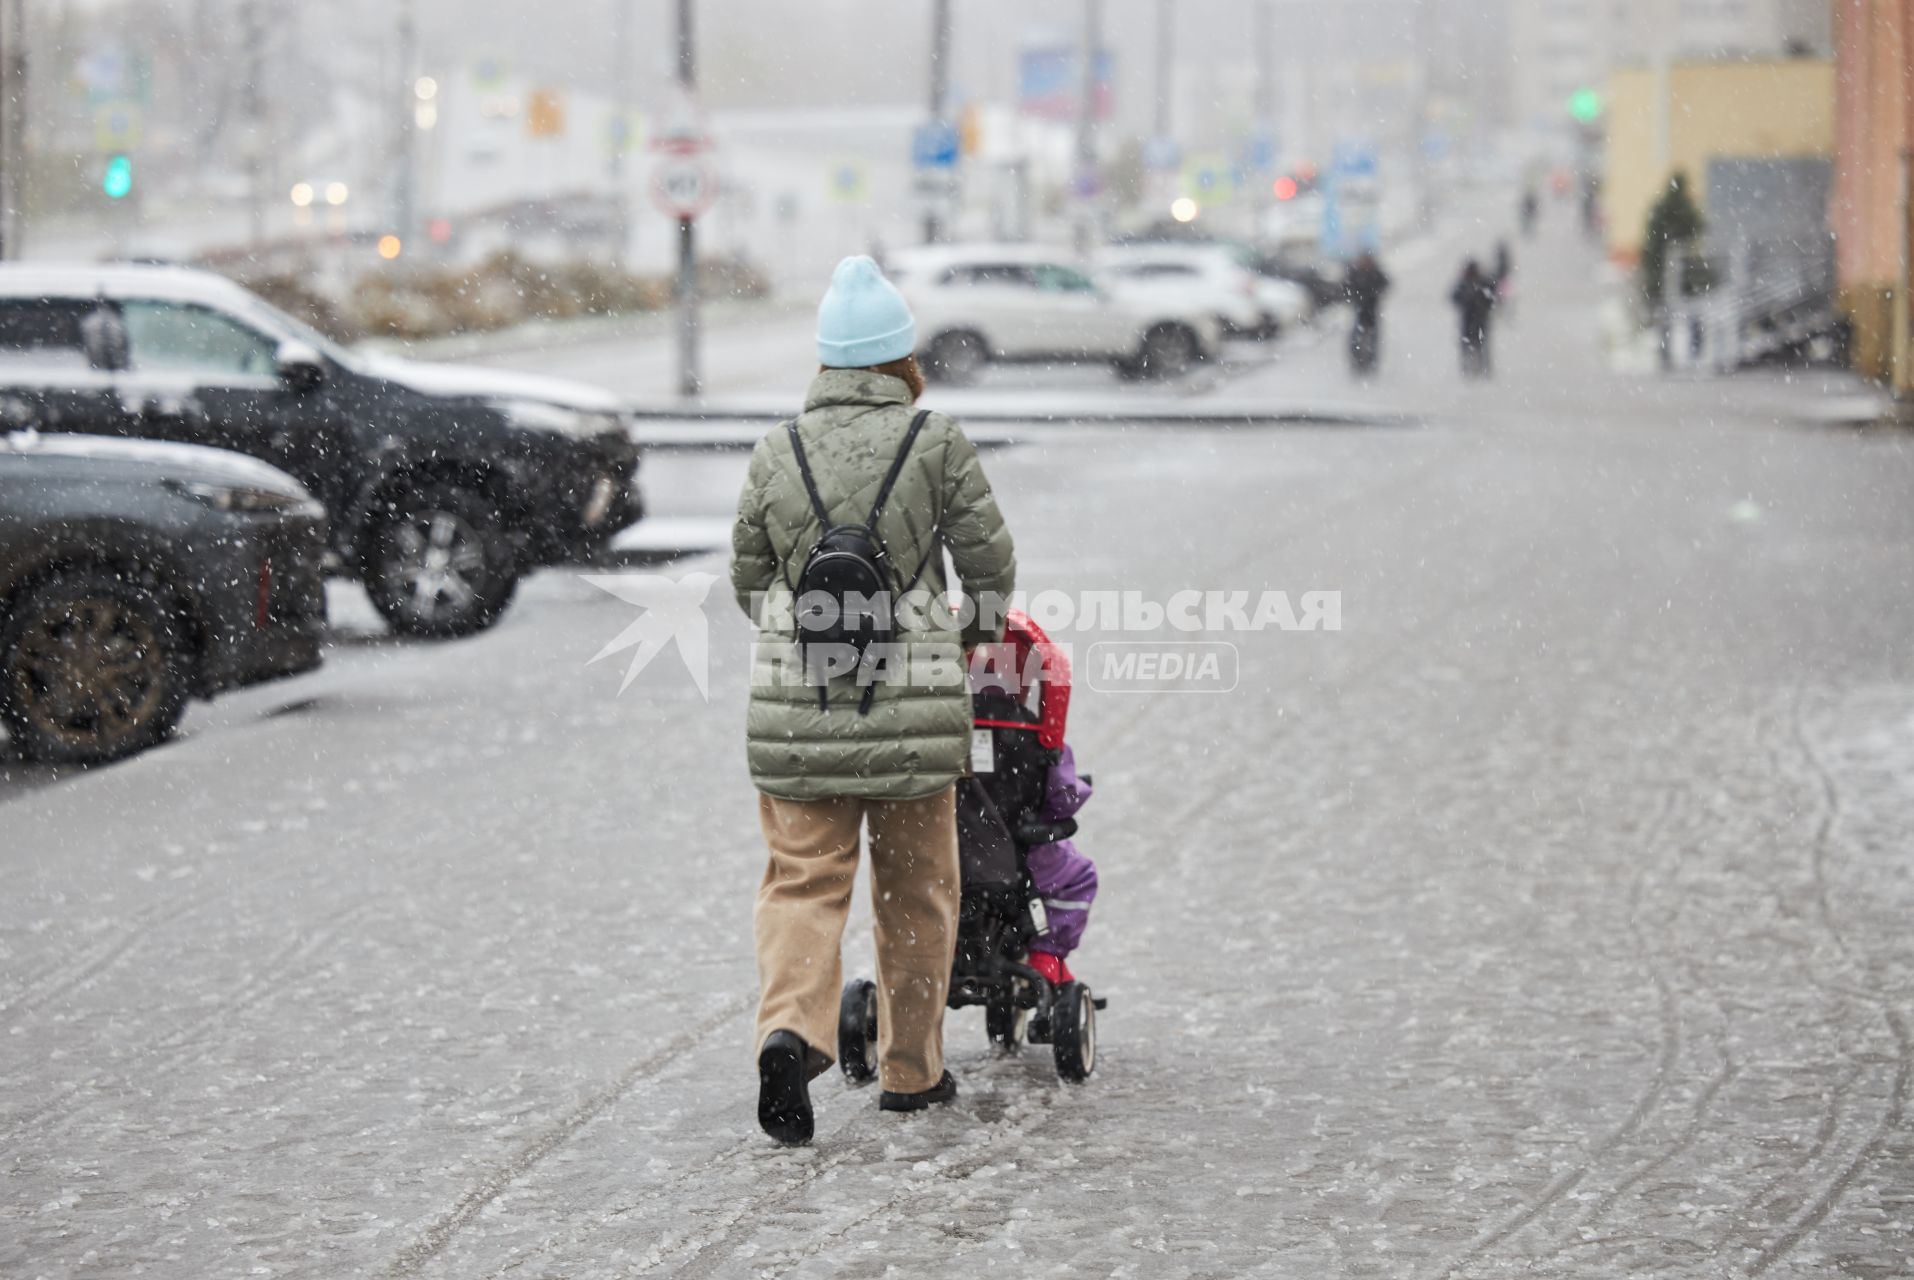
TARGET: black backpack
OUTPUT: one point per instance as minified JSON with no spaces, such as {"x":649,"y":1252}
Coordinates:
{"x":844,"y":589}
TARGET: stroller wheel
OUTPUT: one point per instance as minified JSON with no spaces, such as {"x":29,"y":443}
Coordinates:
{"x":857,"y":1031}
{"x":1073,"y":1031}
{"x":1004,"y":1020}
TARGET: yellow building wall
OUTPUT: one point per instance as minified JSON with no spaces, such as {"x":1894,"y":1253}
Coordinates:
{"x":1715,"y":109}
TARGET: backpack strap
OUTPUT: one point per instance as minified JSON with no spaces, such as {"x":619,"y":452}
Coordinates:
{"x":810,"y":481}
{"x":897,"y":466}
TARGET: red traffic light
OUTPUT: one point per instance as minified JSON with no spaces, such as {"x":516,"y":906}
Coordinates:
{"x":439,"y":229}
{"x":1285,"y":188}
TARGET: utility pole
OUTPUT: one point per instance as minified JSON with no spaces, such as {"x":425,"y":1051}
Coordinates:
{"x":252,"y":106}
{"x":689,"y":383}
{"x":939,"y":98}
{"x":1264,"y":138}
{"x":12,"y":91}
{"x":620,"y":86}
{"x":1165,"y":67}
{"x":405,"y":180}
{"x":1087,"y":127}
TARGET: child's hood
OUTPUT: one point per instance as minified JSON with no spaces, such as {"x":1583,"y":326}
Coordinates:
{"x":1064,"y":792}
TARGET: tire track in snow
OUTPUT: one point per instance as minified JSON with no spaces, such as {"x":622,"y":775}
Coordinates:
{"x":1667,"y":1061}
{"x":174,"y":1046}
{"x":1718,"y":1080}
{"x":1893,"y":1116}
{"x":99,"y":959}
{"x":440,"y":1231}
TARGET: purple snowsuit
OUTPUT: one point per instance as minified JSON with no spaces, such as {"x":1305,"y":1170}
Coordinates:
{"x":1064,"y":878}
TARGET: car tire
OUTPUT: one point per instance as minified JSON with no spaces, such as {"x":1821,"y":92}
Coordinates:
{"x":439,"y":564}
{"x":93,"y":667}
{"x":1168,"y":351}
{"x":956,"y":359}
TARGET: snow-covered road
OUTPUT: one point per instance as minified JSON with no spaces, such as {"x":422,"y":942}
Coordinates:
{"x":1548,"y":919}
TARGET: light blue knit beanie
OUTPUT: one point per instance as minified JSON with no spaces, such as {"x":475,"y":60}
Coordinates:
{"x":863,"y":320}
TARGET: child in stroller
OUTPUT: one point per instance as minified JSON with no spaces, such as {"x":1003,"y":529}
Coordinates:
{"x":1026,"y":890}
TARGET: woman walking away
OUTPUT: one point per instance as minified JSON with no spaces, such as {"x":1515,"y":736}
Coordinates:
{"x":876,"y":739}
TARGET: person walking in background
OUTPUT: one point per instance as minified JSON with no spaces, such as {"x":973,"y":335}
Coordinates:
{"x":832,"y":752}
{"x":1474,"y":299}
{"x":1364,"y":287}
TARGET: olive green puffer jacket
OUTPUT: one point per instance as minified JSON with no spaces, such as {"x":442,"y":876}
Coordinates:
{"x":916,"y":738}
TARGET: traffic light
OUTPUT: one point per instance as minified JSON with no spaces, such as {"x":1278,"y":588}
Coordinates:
{"x":1585,"y":105}
{"x":117,"y":181}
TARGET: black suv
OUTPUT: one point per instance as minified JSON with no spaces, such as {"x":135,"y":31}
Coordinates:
{"x":134,"y":576}
{"x":444,"y":483}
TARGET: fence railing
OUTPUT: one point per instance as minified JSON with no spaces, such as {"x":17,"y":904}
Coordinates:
{"x":1722,"y":310}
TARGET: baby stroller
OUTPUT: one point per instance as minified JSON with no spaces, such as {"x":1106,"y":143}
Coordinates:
{"x":1001,"y":912}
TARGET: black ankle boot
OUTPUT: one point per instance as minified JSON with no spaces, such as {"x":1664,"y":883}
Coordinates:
{"x":784,"y":1089}
{"x":944,"y":1090}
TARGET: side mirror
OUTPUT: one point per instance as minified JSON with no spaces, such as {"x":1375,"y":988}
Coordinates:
{"x":300,"y":366}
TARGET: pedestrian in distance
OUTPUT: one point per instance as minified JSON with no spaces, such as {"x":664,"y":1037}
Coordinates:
{"x":835,"y":746}
{"x":1474,"y":299}
{"x":1364,"y":286}
{"x":1503,"y":276}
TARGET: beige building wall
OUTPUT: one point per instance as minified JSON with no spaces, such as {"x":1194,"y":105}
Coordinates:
{"x":1713,"y":109}
{"x":1559,"y":46}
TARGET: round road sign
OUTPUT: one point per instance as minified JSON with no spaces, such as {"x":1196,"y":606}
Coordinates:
{"x":683,"y":186}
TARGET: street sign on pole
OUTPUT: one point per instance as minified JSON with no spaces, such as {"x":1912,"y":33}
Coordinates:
{"x":936,"y":144}
{"x":683,"y":186}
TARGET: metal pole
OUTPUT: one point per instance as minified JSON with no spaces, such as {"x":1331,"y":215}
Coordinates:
{"x":1087,"y":125}
{"x":939,"y":97}
{"x":405,"y":186}
{"x":620,"y":85}
{"x":253,"y":107}
{"x":1165,"y":67}
{"x":9,"y":157}
{"x":1265,"y":113}
{"x":689,"y":383}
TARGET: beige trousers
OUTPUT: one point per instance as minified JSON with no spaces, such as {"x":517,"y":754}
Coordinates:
{"x":806,"y":898}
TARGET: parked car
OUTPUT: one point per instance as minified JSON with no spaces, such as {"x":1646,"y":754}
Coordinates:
{"x":1306,"y":269}
{"x":135,"y":575}
{"x":444,"y":483}
{"x":1212,"y":277}
{"x":976,"y":304}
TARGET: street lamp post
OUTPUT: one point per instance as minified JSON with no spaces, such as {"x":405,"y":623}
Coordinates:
{"x":689,"y":383}
{"x":939,"y":98}
{"x":1087,"y":127}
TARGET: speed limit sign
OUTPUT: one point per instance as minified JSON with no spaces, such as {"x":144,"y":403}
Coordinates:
{"x":683,"y":186}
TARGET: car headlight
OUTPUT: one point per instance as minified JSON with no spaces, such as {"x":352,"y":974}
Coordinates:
{"x":245,"y":500}
{"x":536,"y":415}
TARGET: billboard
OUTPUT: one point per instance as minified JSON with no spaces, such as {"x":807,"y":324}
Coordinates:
{"x":1050,"y":79}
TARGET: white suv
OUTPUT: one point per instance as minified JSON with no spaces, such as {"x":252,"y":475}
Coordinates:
{"x":980,"y":303}
{"x":1210,"y":277}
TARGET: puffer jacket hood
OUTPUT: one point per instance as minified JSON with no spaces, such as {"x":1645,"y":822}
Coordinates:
{"x":916,"y":738}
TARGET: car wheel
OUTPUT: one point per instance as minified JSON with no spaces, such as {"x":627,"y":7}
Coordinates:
{"x":956,"y":358}
{"x":92,"y":668}
{"x":1168,"y":351}
{"x":440,"y":565}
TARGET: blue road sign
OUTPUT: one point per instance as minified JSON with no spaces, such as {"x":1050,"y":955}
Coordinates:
{"x":935,"y":145}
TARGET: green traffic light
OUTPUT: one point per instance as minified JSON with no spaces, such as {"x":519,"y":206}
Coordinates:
{"x":118,"y":180}
{"x":1585,"y":105}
